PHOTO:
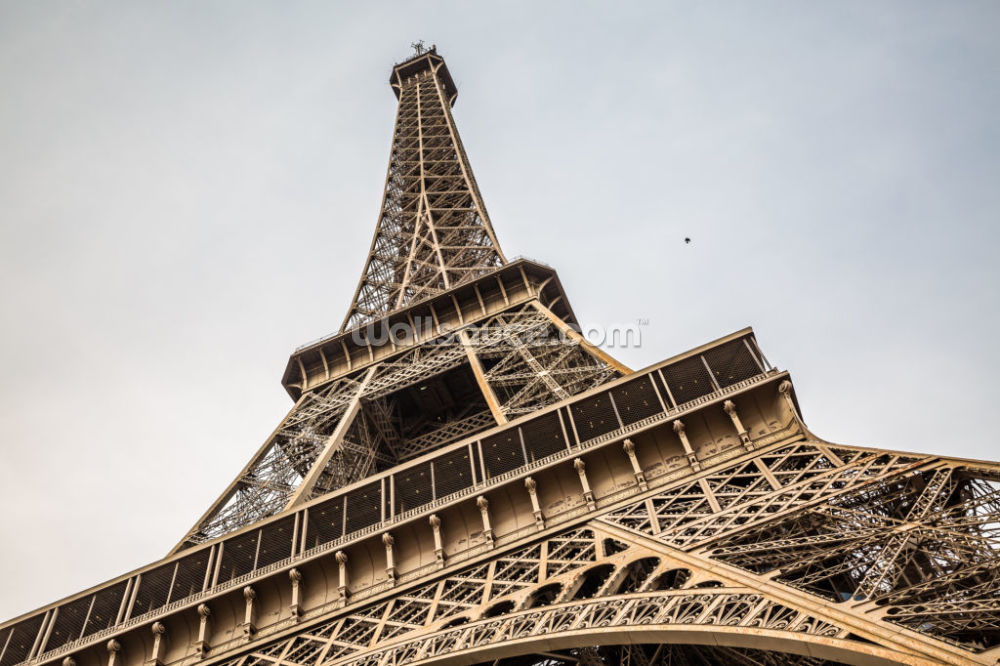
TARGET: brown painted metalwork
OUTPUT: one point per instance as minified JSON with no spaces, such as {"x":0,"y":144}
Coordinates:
{"x":483,"y":485}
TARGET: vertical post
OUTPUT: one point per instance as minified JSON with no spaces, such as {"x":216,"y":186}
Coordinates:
{"x":472,"y":464}
{"x":688,"y":451}
{"x":126,"y":595}
{"x":201,"y":645}
{"x":484,"y":510}
{"x":381,"y":497}
{"x":711,"y":375}
{"x":392,"y":496}
{"x":588,"y":494}
{"x":209,"y":567}
{"x":730,"y":408}
{"x":159,"y":644}
{"x":438,"y":546}
{"x":629,"y":447}
{"x":113,"y":647}
{"x":48,"y":630}
{"x":132,"y":598}
{"x":39,"y":635}
{"x":390,"y":561}
{"x":341,"y":558}
{"x":304,"y":541}
{"x":562,"y":424}
{"x":785,"y":389}
{"x":218,"y":564}
{"x":536,"y":509}
{"x":614,"y":407}
{"x":295,"y":577}
{"x":250,"y":613}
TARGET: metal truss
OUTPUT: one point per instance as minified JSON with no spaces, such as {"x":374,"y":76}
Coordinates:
{"x":265,"y":485}
{"x":523,"y":360}
{"x":529,"y":362}
{"x":433,"y":232}
{"x":567,"y":585}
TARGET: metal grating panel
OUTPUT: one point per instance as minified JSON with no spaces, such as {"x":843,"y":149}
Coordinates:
{"x":276,"y":542}
{"x":502,"y":453}
{"x":22,"y":640}
{"x":364,"y":507}
{"x":238,"y":555}
{"x":452,"y":473}
{"x":543,"y":437}
{"x":636,"y":400}
{"x":154,"y":589}
{"x":688,"y":380}
{"x":594,"y":417}
{"x":69,"y":622}
{"x":190,"y":576}
{"x":107,"y":603}
{"x":413,"y":487}
{"x":326,"y":522}
{"x":731,"y":363}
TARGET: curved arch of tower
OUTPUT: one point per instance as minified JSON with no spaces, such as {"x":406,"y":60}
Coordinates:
{"x":464,"y":479}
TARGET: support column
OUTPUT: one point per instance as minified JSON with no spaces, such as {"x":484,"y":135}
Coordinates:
{"x":536,"y":509}
{"x":688,"y":451}
{"x":201,"y":646}
{"x":785,"y":389}
{"x":438,"y":547}
{"x":159,"y":644}
{"x":113,"y":647}
{"x":250,"y":615}
{"x":629,"y":447}
{"x":730,"y":408}
{"x":295,"y":576}
{"x":390,"y":561}
{"x":477,"y":369}
{"x":484,"y":511}
{"x":588,"y":494}
{"x":341,"y":558}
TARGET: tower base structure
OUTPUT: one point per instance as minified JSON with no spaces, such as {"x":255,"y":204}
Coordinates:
{"x":483,"y":486}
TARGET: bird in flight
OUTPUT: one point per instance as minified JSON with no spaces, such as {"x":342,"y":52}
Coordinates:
{"x":687,"y":241}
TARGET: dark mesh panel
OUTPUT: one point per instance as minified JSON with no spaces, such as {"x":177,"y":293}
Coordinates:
{"x":22,"y":640}
{"x":107,"y":602}
{"x":688,"y":379}
{"x":594,"y":417}
{"x":238,"y":555}
{"x":452,"y":472}
{"x":276,"y":541}
{"x":502,"y":453}
{"x":413,"y":487}
{"x":636,"y":400}
{"x":658,"y":380}
{"x":731,"y":363}
{"x":326,"y":521}
{"x":364,"y":507}
{"x":190,"y":576}
{"x":69,"y":623}
{"x":153,"y":589}
{"x":543,"y":437}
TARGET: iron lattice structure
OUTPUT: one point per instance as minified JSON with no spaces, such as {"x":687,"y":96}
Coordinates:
{"x":464,"y":479}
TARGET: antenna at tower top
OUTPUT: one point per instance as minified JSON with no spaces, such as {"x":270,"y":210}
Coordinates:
{"x":418,"y":47}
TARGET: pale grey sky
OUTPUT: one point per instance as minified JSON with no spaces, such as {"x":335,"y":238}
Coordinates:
{"x":187,"y":191}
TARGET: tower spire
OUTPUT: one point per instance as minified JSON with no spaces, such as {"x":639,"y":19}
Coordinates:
{"x":433,"y":231}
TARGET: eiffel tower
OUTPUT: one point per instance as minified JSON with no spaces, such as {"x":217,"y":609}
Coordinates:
{"x":465,"y":479}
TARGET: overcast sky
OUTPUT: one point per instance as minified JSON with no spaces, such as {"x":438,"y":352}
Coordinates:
{"x":188,"y":189}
